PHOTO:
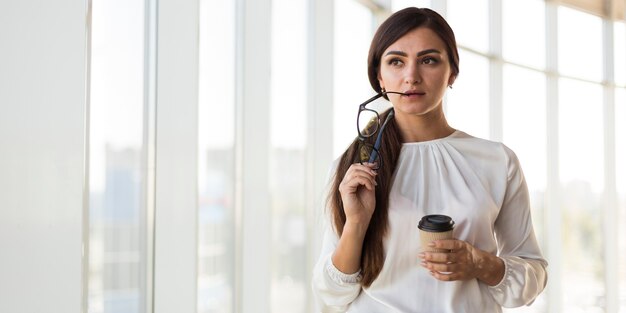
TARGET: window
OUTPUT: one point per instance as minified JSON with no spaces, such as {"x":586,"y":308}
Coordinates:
{"x":216,"y":154}
{"x":524,"y":131}
{"x":470,"y":22}
{"x":620,"y":51}
{"x":467,"y":106}
{"x":517,"y":43}
{"x":580,"y":44}
{"x":397,"y":5}
{"x":524,"y":115}
{"x":582,"y":183}
{"x":353,"y":33}
{"x":117,"y":181}
{"x":620,"y":140}
{"x":287,"y":168}
{"x":119,"y":148}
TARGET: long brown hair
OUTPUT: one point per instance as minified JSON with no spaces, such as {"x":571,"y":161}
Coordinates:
{"x":396,"y":26}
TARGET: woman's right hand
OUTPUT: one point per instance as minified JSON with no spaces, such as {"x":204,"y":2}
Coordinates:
{"x":358,"y":193}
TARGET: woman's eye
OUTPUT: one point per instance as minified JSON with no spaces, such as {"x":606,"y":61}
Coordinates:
{"x":429,"y":60}
{"x":395,"y":62}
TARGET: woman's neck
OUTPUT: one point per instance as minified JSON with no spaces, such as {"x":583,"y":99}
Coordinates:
{"x":430,"y":126}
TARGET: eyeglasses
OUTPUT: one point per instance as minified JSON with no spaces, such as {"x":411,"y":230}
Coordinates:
{"x":368,"y":124}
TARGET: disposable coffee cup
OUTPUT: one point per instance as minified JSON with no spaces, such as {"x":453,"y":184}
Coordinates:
{"x":435,"y":227}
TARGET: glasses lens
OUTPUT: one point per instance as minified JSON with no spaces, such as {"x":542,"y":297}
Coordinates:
{"x":367,"y":153}
{"x":367,"y":123}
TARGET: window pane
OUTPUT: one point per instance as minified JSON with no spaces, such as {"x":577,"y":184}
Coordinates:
{"x":353,"y":33}
{"x":518,"y":46}
{"x":397,"y":5}
{"x":116,"y":159}
{"x":467,"y":106}
{"x":525,"y":130}
{"x":620,"y":53}
{"x":470,"y":22}
{"x":582,"y":182}
{"x":580,"y":44}
{"x":289,"y":275}
{"x":216,"y":154}
{"x":524,"y":123}
{"x":620,"y":140}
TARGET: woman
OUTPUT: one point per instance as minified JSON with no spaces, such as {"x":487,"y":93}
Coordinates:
{"x":414,"y":164}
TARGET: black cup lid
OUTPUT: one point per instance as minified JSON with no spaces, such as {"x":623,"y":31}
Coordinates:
{"x":436,"y":223}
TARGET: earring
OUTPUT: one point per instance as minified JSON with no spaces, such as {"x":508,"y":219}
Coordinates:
{"x":450,"y":86}
{"x":383,"y":91}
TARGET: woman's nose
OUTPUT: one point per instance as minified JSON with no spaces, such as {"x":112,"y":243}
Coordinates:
{"x":412,"y":75}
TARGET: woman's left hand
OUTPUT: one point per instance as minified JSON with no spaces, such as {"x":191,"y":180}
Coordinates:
{"x":463,"y":262}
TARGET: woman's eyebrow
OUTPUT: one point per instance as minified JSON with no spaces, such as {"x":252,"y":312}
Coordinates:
{"x":419,"y":54}
{"x":427,"y":51}
{"x":396,"y":53}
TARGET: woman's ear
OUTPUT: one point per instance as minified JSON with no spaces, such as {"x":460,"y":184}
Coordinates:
{"x":451,"y":80}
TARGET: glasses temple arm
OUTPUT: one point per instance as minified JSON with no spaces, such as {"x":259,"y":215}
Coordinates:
{"x":379,"y":137}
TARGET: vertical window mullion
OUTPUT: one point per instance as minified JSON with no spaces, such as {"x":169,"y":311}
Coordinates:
{"x":149,"y":157}
{"x":495,"y":69}
{"x":610,"y":192}
{"x":320,"y":111}
{"x":176,"y":218}
{"x":252,"y":153}
{"x":553,"y":211}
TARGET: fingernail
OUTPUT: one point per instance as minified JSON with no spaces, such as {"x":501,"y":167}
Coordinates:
{"x":421,"y":255}
{"x":423,"y":264}
{"x":431,"y":244}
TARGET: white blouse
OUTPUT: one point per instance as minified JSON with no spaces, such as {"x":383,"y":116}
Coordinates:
{"x":480,"y":184}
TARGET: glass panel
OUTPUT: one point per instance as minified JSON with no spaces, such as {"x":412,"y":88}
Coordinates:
{"x":524,"y":123}
{"x":353,"y":33}
{"x":116,"y":159}
{"x":289,"y":275}
{"x":467,"y":105}
{"x":580,"y":44}
{"x":525,"y":131}
{"x":517,"y":45}
{"x":216,"y":154}
{"x":582,"y":182}
{"x":620,"y":53}
{"x":620,"y":141}
{"x":470,"y":22}
{"x":397,"y":5}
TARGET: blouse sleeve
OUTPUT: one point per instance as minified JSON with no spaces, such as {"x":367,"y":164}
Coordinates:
{"x":525,"y":268}
{"x":333,"y":290}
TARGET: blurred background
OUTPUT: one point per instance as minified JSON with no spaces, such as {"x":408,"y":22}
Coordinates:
{"x":171,"y":156}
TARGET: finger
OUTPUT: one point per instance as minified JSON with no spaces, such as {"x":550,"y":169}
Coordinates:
{"x":371,"y":165}
{"x":446,"y":276}
{"x":352,"y":184}
{"x":442,"y":267}
{"x":353,"y":179}
{"x":449,"y":244}
{"x":366,"y":167}
{"x":359,"y":171}
{"x":359,"y":175}
{"x":439,"y":257}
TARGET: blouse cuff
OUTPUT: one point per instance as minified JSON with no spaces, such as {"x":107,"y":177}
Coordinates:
{"x":499,"y":287}
{"x":339,"y":277}
{"x":523,"y":280}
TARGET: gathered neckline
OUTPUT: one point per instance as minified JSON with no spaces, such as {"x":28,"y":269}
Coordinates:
{"x":417,"y":143}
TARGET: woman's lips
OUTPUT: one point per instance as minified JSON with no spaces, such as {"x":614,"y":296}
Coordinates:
{"x":414,"y":93}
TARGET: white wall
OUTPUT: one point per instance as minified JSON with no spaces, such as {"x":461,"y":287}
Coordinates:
{"x":42,"y":107}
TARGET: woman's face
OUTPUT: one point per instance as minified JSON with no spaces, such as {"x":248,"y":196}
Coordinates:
{"x":416,"y":64}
